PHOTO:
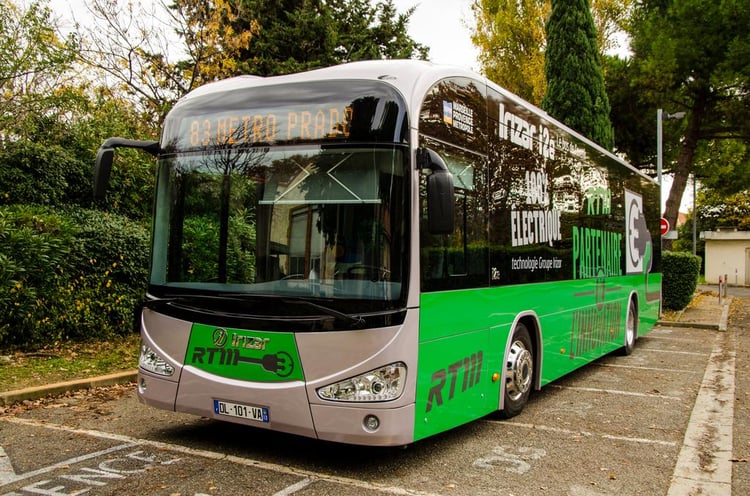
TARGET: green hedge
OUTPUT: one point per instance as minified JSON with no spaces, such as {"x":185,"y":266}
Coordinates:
{"x":680,"y":271}
{"x":73,"y":274}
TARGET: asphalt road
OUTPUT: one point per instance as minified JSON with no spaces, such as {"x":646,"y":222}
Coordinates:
{"x":623,"y":425}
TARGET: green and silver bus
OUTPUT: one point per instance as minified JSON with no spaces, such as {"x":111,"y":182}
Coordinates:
{"x":380,"y":251}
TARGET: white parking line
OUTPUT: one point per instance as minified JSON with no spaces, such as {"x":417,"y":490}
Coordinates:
{"x":672,"y":352}
{"x":211,"y":455}
{"x":639,"y":367}
{"x":616,"y":391}
{"x":294,"y":487}
{"x":672,"y":339}
{"x":570,"y":432}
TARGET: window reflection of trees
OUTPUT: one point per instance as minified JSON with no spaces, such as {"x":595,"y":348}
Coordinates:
{"x":213,"y":230}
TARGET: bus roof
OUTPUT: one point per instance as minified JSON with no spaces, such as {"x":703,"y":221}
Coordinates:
{"x":412,"y":78}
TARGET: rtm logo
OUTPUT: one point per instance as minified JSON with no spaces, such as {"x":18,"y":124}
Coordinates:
{"x":280,"y":363}
{"x":472,"y":369}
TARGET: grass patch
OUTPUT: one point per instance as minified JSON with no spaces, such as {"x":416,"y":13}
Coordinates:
{"x":68,"y":361}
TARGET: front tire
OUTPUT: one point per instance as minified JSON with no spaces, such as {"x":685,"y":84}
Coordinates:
{"x":519,"y":372}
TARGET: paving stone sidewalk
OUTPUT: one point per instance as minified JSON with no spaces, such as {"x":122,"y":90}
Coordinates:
{"x":706,"y":311}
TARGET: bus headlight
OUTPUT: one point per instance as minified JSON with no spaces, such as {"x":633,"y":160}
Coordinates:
{"x":151,"y":361}
{"x":383,"y":384}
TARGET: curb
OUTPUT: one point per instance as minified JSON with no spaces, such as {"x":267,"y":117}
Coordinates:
{"x":723,"y":321}
{"x":692,"y":325}
{"x":36,"y":392}
{"x":721,"y":325}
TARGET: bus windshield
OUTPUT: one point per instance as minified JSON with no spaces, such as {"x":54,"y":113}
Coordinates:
{"x":310,"y":221}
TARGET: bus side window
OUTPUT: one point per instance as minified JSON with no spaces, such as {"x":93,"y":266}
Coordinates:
{"x":457,"y":260}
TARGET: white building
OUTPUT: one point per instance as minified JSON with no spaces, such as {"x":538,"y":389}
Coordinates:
{"x":728,"y":254}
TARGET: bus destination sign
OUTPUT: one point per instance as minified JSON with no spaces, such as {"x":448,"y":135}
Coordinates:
{"x":247,"y":128}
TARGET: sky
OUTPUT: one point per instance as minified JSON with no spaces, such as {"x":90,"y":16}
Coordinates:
{"x":442,"y":25}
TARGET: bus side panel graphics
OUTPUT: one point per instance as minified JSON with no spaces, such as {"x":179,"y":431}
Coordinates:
{"x":454,"y":383}
{"x":244,"y":355}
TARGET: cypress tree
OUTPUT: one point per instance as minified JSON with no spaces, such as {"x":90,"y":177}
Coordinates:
{"x":575,"y":84}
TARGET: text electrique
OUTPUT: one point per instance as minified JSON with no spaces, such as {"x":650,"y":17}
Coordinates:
{"x":528,"y":227}
{"x":323,"y":123}
{"x":596,"y":253}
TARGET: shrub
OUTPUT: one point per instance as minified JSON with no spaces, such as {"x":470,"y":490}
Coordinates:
{"x":107,"y":276}
{"x":42,"y":175}
{"x":680,"y":271}
{"x":35,"y":245}
{"x":75,"y":274}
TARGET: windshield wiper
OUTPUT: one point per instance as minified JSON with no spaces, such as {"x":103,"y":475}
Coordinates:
{"x":155,"y":303}
{"x":355,"y":320}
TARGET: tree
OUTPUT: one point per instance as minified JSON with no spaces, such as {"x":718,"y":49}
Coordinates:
{"x":512,"y":39}
{"x":575,"y":84}
{"x":34,"y":66}
{"x":694,"y":56}
{"x":156,"y":61}
{"x":716,"y":211}
{"x":156,"y":56}
{"x":295,"y":35}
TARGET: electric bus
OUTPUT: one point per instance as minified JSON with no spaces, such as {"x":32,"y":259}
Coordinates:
{"x":377,"y":252}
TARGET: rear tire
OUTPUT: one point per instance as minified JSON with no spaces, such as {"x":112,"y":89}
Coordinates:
{"x":631,"y":329}
{"x":519,"y":372}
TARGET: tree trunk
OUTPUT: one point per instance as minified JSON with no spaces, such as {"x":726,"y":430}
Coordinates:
{"x":684,"y":164}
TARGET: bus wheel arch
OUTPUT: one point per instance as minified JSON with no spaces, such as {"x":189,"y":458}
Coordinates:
{"x":631,"y":326}
{"x":520,"y":366}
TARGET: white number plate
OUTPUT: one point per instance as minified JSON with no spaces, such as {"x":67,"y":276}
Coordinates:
{"x":249,"y":412}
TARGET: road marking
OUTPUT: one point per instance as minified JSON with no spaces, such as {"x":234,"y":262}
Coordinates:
{"x":616,"y":391}
{"x":704,"y":465}
{"x":671,"y":339}
{"x":294,"y":487}
{"x":638,"y":367}
{"x":574,"y":433}
{"x":672,"y":352}
{"x":9,"y":476}
{"x":510,"y":458}
{"x":211,"y":455}
{"x":6,"y":469}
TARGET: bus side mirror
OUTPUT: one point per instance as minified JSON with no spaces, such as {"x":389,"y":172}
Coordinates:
{"x":440,"y":189}
{"x":105,"y":156}
{"x":102,"y":171}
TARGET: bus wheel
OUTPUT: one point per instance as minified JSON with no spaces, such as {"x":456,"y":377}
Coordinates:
{"x":519,"y":373}
{"x":631,"y":329}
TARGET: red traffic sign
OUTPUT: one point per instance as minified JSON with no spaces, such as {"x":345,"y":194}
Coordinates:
{"x":664,"y":226}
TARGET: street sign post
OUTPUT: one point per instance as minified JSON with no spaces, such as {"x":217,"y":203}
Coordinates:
{"x":664,"y":226}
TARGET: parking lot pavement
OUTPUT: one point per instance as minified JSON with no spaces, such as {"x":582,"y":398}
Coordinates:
{"x":617,"y":426}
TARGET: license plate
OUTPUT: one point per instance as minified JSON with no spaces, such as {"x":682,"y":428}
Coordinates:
{"x":249,"y":412}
